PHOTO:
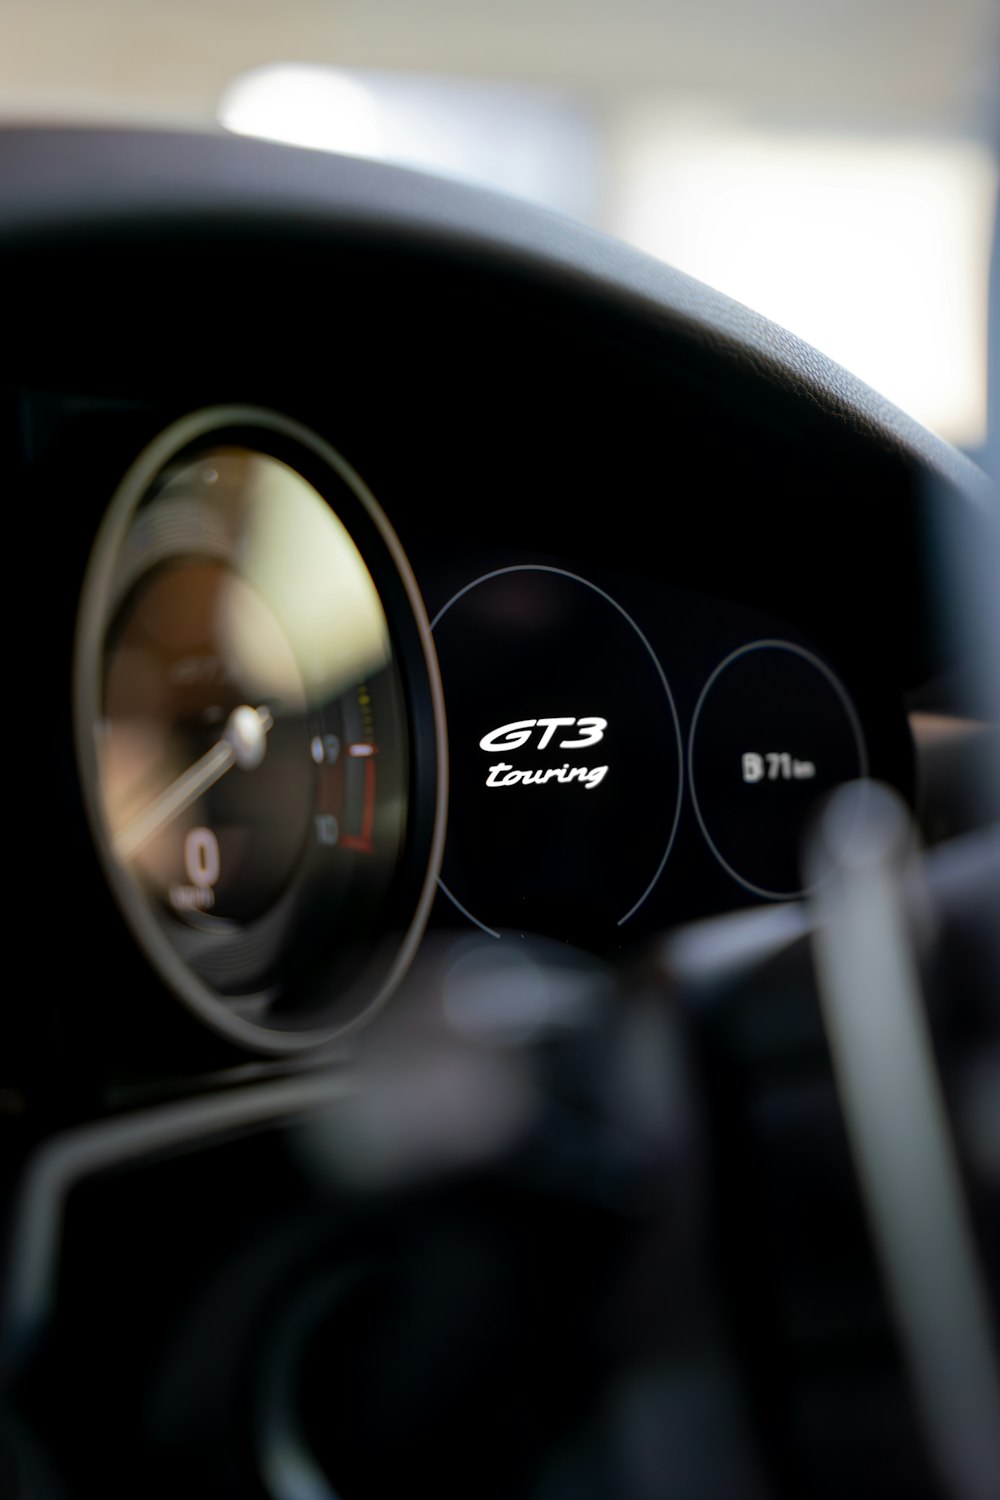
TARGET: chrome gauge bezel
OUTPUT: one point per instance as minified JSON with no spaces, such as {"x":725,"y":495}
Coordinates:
{"x":273,"y":434}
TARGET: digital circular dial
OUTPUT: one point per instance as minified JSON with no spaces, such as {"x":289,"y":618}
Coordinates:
{"x":259,"y":728}
{"x":565,"y":755}
{"x":773,"y":732}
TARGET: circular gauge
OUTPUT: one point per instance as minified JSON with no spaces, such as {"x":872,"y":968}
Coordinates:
{"x":259,"y":728}
{"x":565,"y":756}
{"x":773,"y":732}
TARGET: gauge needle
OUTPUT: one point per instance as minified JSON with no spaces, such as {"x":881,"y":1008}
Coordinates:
{"x":243,"y":743}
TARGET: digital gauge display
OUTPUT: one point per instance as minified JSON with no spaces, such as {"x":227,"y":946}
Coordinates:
{"x":625,"y":756}
{"x":773,"y":732}
{"x":566,"y":764}
{"x":258,"y":727}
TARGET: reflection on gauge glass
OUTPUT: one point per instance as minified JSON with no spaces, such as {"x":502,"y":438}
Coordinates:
{"x":258,"y":725}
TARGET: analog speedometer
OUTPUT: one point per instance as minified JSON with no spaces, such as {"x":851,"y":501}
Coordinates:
{"x":258,"y":724}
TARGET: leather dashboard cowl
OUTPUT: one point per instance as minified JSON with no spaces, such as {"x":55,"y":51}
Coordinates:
{"x":62,"y":183}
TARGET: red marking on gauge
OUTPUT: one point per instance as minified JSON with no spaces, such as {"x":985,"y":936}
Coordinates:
{"x":363,"y":841}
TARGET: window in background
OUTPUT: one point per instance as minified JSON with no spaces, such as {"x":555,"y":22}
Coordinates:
{"x":534,"y":143}
{"x":873,"y":248}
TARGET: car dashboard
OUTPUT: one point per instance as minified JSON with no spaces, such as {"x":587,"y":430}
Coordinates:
{"x":652,"y":580}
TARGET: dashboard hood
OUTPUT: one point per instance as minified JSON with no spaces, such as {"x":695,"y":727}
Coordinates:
{"x":91,"y":184}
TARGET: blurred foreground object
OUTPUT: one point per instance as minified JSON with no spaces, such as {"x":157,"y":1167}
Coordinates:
{"x":864,"y":865}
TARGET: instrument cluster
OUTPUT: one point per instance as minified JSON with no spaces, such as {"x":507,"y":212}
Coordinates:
{"x":284,"y":759}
